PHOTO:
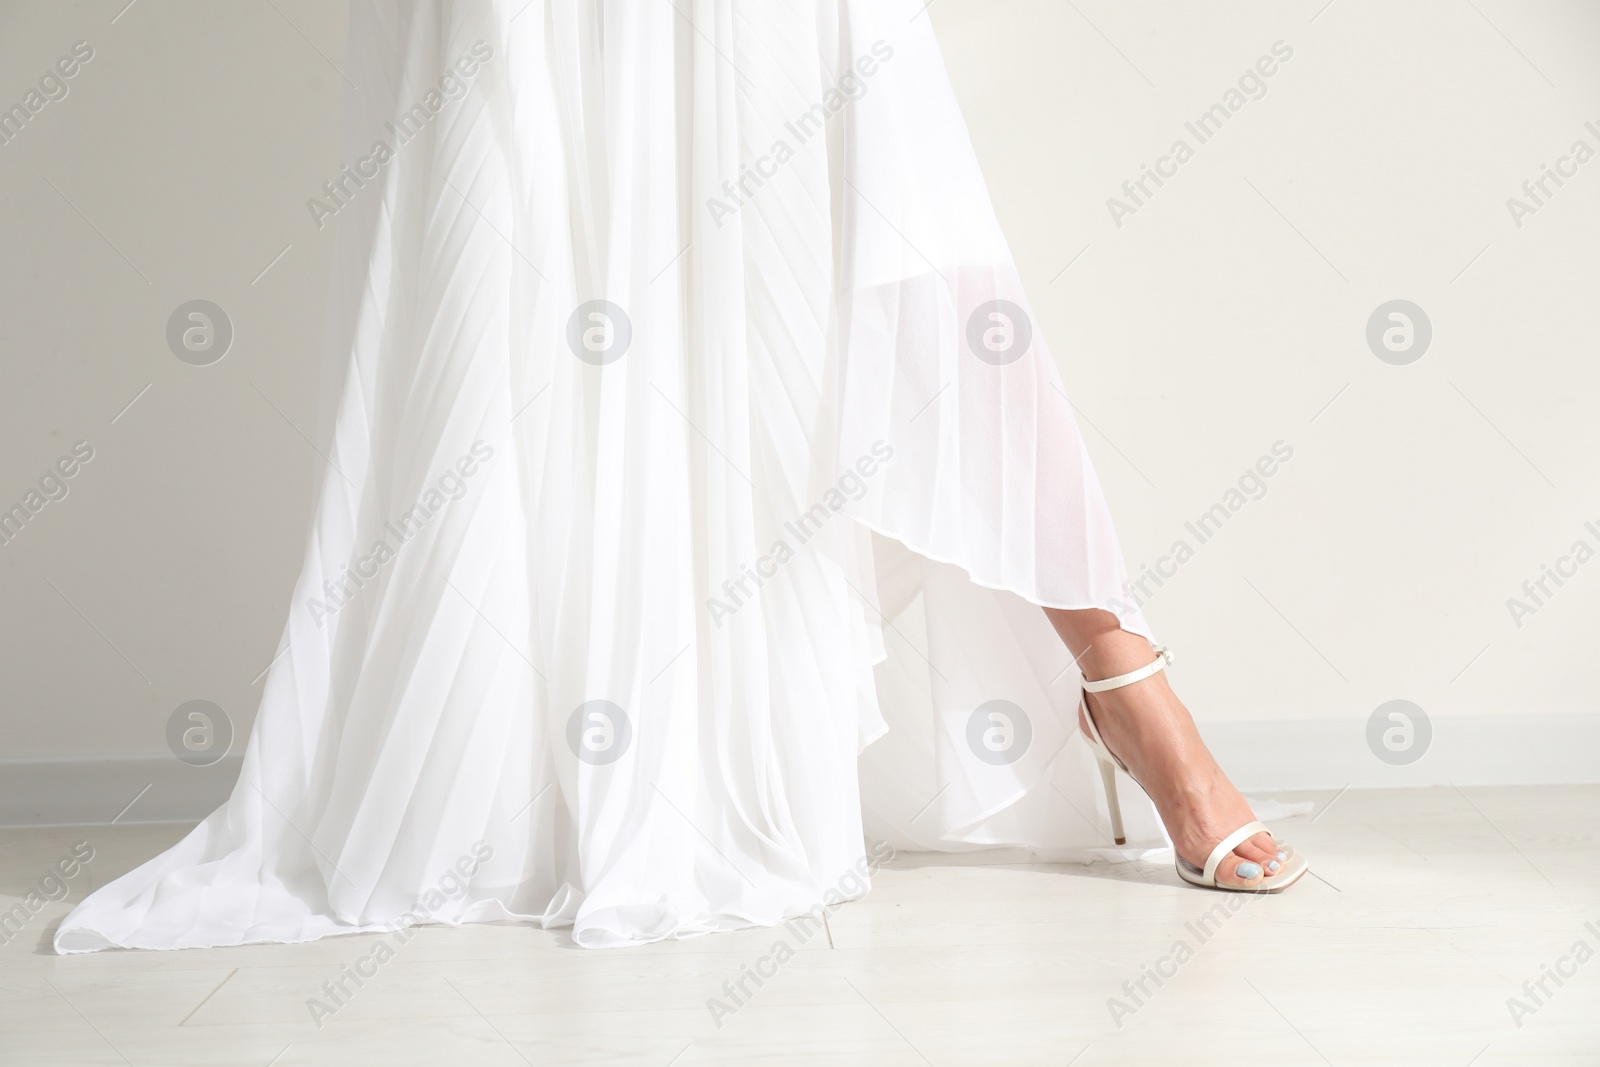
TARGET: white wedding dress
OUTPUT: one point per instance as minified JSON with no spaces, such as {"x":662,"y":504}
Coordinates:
{"x":645,"y":617}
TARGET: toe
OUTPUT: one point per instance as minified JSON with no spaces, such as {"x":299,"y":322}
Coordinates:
{"x":1261,"y":850}
{"x":1239,"y":873}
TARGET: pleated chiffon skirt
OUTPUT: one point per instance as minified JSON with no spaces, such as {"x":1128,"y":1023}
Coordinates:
{"x":696,"y":472}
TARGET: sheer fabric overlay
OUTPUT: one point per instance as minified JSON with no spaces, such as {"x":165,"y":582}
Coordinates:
{"x":689,"y":503}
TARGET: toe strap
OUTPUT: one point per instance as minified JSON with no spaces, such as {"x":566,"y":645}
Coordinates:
{"x":1227,"y":844}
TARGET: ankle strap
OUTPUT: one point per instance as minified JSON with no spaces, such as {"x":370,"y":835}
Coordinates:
{"x":1163,"y":657}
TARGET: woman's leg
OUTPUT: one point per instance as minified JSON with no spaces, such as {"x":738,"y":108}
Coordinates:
{"x":1148,"y":727}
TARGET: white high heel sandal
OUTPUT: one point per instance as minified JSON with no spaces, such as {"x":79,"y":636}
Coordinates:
{"x":1290,"y":870}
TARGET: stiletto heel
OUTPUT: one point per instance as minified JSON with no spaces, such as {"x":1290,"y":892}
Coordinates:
{"x":1292,"y":865}
{"x":1108,"y":777}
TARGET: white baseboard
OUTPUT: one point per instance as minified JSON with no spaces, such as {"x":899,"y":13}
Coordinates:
{"x":91,"y":791}
{"x":1259,"y":756}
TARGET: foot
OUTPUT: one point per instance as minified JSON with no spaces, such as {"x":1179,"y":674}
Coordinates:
{"x":1149,"y":729}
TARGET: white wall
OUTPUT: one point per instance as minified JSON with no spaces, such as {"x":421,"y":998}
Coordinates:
{"x":1231,"y":309}
{"x":1227,"y":313}
{"x":176,"y":168}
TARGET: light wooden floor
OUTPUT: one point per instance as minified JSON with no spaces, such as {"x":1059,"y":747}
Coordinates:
{"x":1436,"y":907}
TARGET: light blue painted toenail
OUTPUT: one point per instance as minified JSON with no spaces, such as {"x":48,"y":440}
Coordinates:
{"x":1283,"y":855}
{"x":1248,"y":870}
{"x":1273,"y":865}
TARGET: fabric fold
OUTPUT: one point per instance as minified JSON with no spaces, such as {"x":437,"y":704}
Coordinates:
{"x":696,"y":472}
